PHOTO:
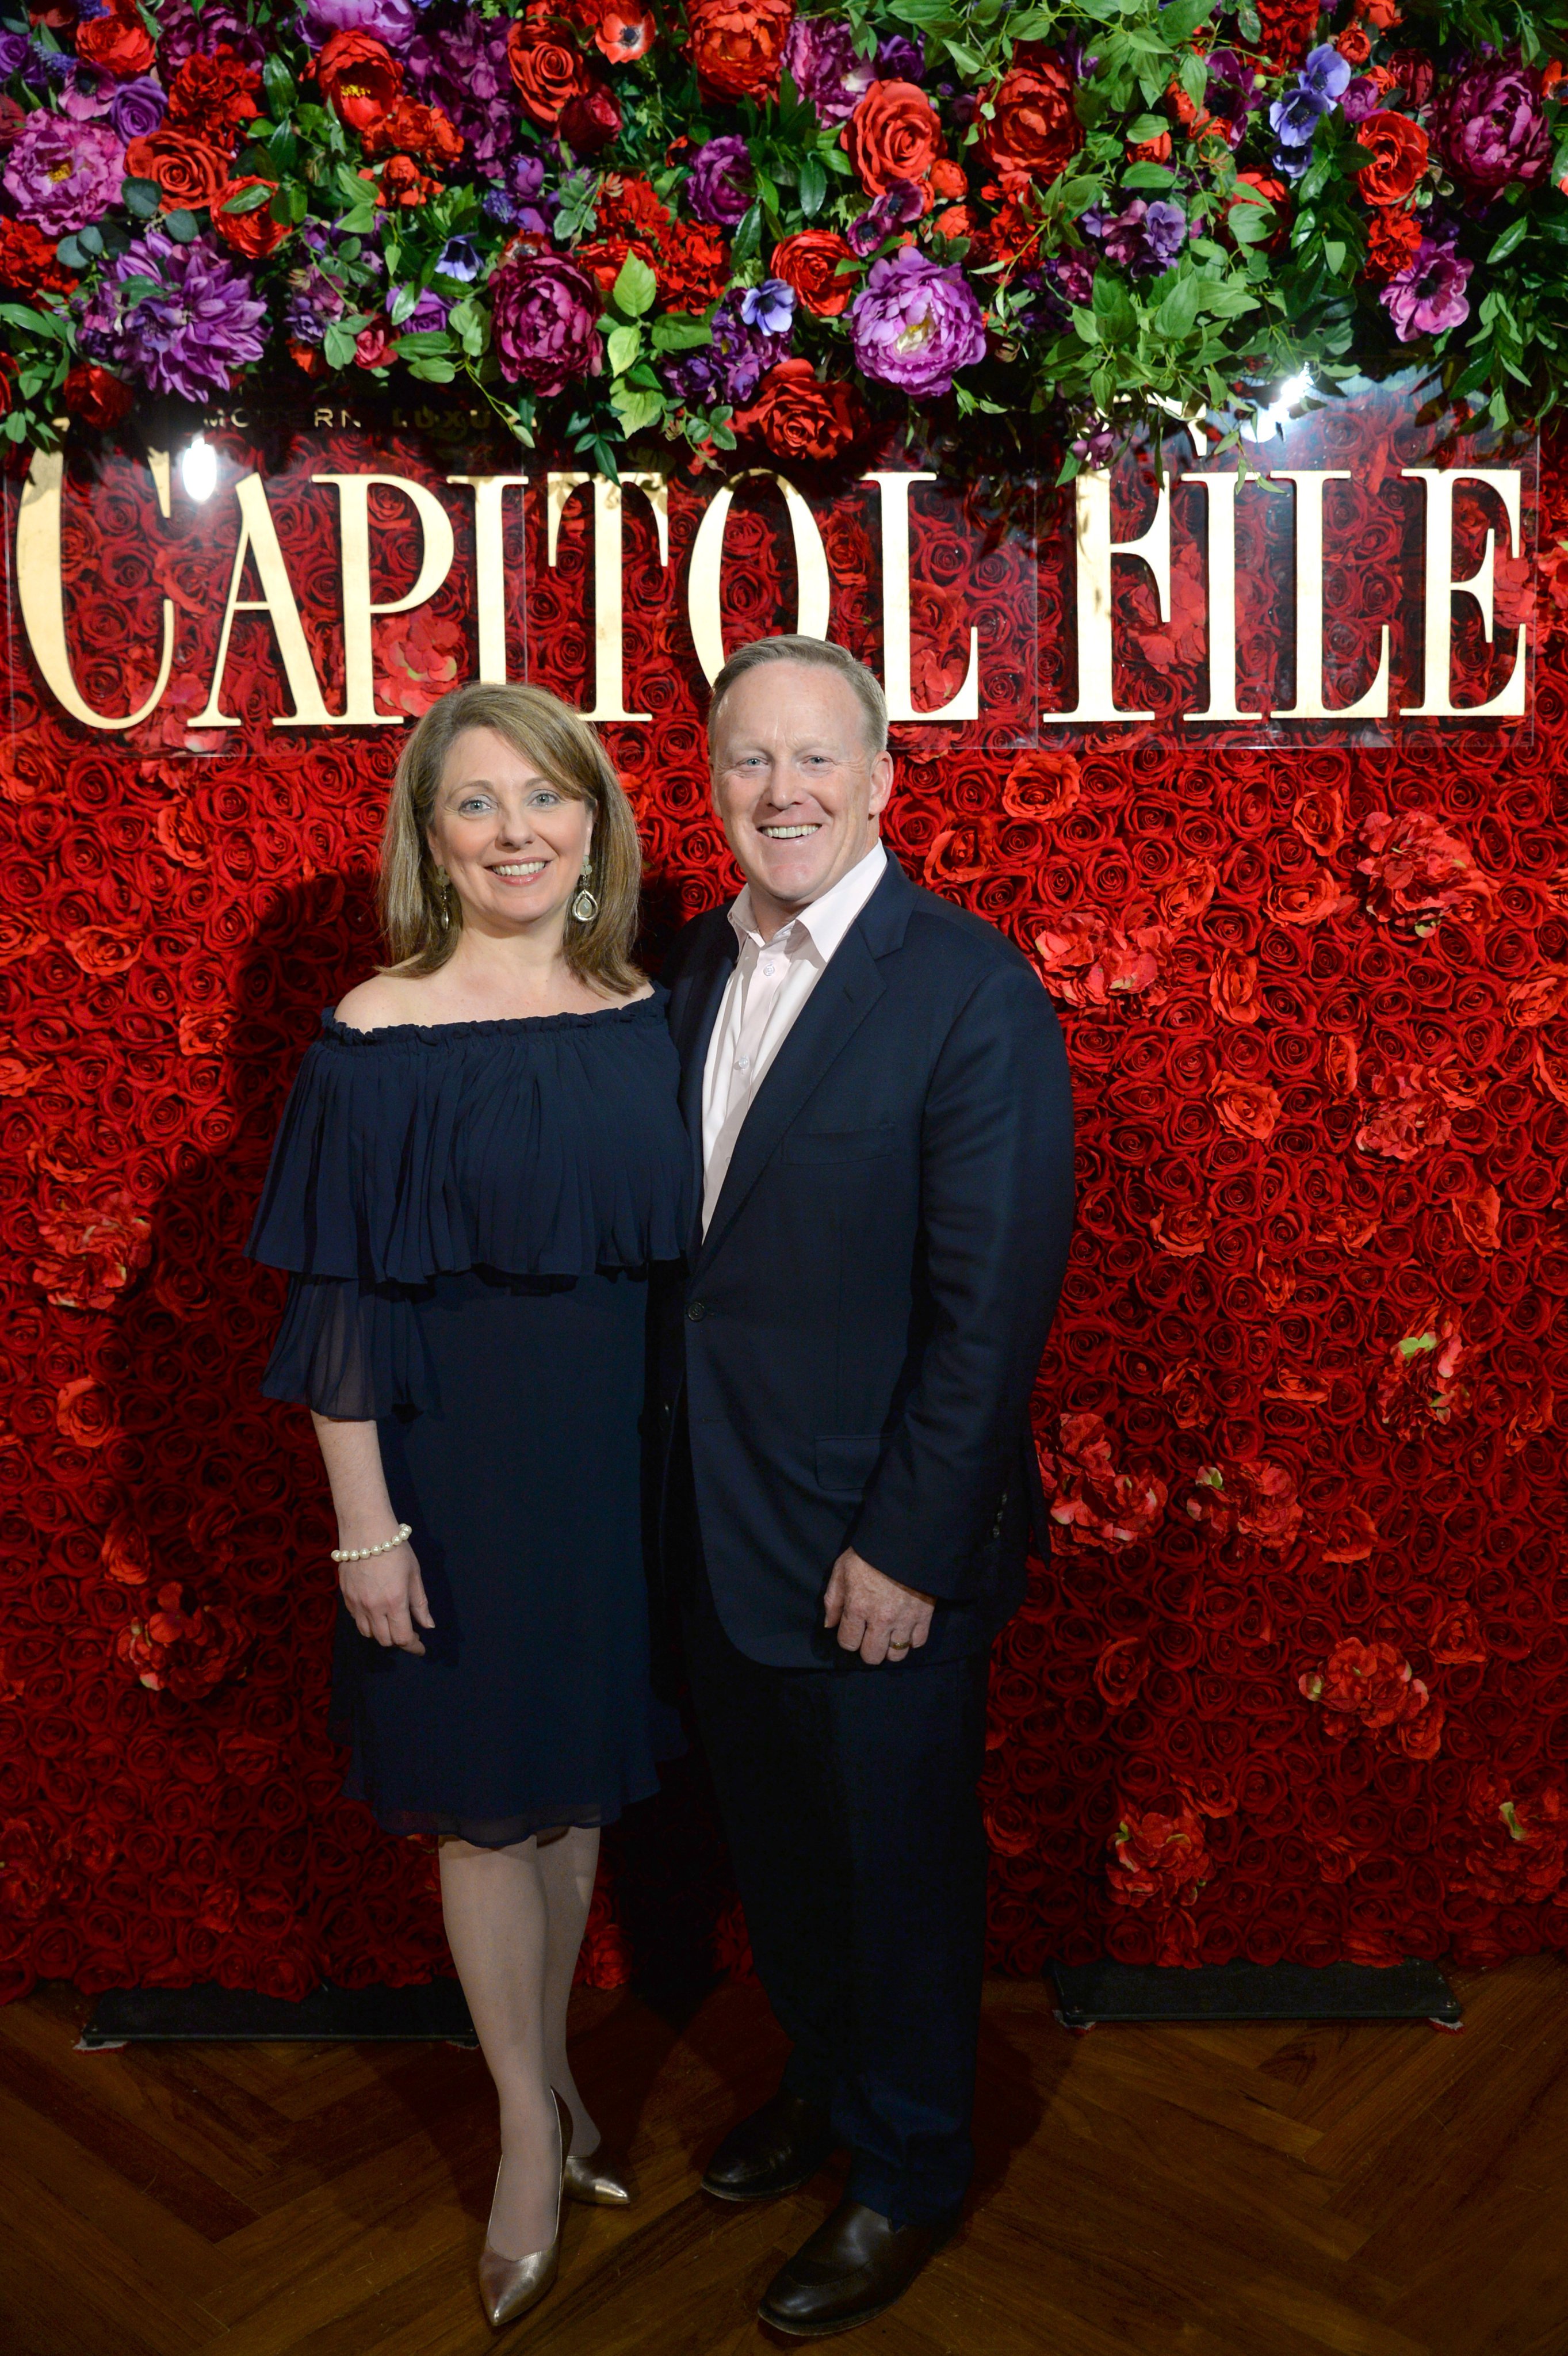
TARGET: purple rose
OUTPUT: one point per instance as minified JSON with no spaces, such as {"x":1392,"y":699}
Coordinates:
{"x":1072,"y":276}
{"x":901,"y":202}
{"x":819,"y":58}
{"x":544,"y":310}
{"x":463,"y":71}
{"x":1362,"y":97}
{"x":139,"y":108}
{"x":12,"y":53}
{"x":428,"y":315}
{"x":732,"y":366}
{"x":220,"y":26}
{"x":392,"y":21}
{"x":1492,"y":129}
{"x":1429,"y":293}
{"x":913,"y":324}
{"x":719,"y":188}
{"x":901,"y":58}
{"x":201,"y":324}
{"x":61,"y":175}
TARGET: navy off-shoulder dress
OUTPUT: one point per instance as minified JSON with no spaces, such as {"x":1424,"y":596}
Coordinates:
{"x":468,"y":1213}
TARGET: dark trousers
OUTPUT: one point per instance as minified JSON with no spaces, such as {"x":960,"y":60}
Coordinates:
{"x":849,"y":1799}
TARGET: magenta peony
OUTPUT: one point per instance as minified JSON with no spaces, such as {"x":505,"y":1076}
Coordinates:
{"x":1491,"y":127}
{"x":544,"y":315}
{"x":914,"y":324}
{"x":61,"y":175}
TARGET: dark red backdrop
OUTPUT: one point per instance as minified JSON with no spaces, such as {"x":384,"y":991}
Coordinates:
{"x":1296,"y":1682}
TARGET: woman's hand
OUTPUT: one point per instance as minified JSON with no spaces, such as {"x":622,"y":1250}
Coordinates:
{"x":386,"y":1596}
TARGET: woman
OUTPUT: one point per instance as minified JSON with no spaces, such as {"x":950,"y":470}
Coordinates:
{"x":480,"y":1159}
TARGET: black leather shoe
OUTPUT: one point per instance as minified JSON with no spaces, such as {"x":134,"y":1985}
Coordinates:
{"x":777,"y":2149}
{"x":853,"y":2268}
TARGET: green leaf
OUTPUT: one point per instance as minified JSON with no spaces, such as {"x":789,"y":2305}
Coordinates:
{"x":679,"y":332}
{"x":637,"y":411}
{"x":18,"y":314}
{"x":1114,"y":307}
{"x":1514,"y":235}
{"x":747,"y":241}
{"x":812,"y":184}
{"x":71,"y":252}
{"x":141,"y":198}
{"x":429,"y":371}
{"x":249,"y":200}
{"x":1181,"y":19}
{"x":1146,"y":126}
{"x":278,"y":82}
{"x":1147,"y":176}
{"x":622,"y":346}
{"x":425,"y":342}
{"x":1178,"y":314}
{"x":337,"y":346}
{"x":635,"y":287}
{"x":403,"y":305}
{"x":182,"y":226}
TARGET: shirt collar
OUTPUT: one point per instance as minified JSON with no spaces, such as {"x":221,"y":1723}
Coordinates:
{"x":823,"y":922}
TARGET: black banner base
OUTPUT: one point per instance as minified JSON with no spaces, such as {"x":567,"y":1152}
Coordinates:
{"x":328,"y":2015}
{"x":1092,"y":1993}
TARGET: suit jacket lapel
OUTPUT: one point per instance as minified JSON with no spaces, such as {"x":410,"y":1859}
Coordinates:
{"x":694,"y":1015}
{"x":837,"y":1006}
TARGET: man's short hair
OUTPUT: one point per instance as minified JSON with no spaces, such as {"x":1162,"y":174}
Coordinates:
{"x":825,"y":656}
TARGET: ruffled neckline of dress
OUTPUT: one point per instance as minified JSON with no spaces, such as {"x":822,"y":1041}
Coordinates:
{"x":493,"y":1026}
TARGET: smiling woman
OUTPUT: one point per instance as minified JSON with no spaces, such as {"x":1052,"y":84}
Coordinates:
{"x":480,"y":1161}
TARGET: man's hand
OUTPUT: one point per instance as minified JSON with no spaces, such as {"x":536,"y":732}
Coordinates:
{"x":874,"y":1615}
{"x":386,"y":1596}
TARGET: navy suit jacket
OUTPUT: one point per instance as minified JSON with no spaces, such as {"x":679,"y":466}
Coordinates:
{"x":856,"y":1336}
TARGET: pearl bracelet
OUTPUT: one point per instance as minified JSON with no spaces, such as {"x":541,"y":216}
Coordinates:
{"x":363,"y":1554}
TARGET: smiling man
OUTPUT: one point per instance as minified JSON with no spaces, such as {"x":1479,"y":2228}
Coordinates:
{"x":880,"y":1114}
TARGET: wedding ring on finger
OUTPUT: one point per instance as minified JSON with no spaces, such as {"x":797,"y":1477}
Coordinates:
{"x":893,"y":1647}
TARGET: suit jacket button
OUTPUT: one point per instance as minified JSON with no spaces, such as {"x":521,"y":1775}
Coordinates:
{"x":696,"y":1310}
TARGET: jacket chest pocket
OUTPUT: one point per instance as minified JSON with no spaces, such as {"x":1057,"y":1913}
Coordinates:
{"x":808,"y":1145}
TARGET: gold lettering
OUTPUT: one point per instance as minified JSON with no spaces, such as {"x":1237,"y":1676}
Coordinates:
{"x":358,"y":613}
{"x":489,"y":570}
{"x":609,"y":555}
{"x":1222,"y":491}
{"x":814,"y":596}
{"x":259,"y":538}
{"x":1309,"y":704}
{"x":41,"y":588}
{"x":1091,"y":524}
{"x":894,"y":490}
{"x":1438,"y":660}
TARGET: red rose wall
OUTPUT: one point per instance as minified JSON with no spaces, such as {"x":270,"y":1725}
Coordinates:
{"x":1296,"y":1683}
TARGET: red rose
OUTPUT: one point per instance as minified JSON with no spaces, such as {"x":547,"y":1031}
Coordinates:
{"x":547,"y":71}
{"x":1418,"y":872}
{"x":811,"y":261}
{"x":591,"y":120}
{"x":1043,"y":783}
{"x":1249,"y":1107}
{"x":99,"y":398}
{"x":255,"y":234}
{"x":361,"y":78}
{"x":187,"y":171}
{"x":213,"y":94}
{"x":401,"y":183}
{"x":83,"y":1414}
{"x":1399,"y":156}
{"x":412,"y":128}
{"x":893,"y":134}
{"x":1233,"y":987}
{"x":737,"y":45}
{"x":1033,"y":131}
{"x":27,"y":261}
{"x":373,"y":345}
{"x":117,"y":43}
{"x":800,"y":419}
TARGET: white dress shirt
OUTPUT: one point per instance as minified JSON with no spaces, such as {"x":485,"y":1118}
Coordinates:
{"x":762,"y":1002}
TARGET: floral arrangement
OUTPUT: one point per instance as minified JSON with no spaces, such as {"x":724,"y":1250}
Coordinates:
{"x":740,"y":220}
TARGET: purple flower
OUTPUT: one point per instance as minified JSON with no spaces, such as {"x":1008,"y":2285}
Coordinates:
{"x":428,"y":315}
{"x":719,"y":188}
{"x":461,"y":259}
{"x":901,"y":58}
{"x":12,"y":53}
{"x":1072,"y":276}
{"x":315,"y":304}
{"x":463,"y":71}
{"x":86,"y":94}
{"x":732,"y":366}
{"x":139,"y":108}
{"x":61,"y":175}
{"x":1294,"y":119}
{"x":1230,"y":95}
{"x":1429,"y":293}
{"x":770,"y":307}
{"x":392,"y":21}
{"x":913,"y":324}
{"x":1492,"y":129}
{"x":1325,"y":72}
{"x":220,"y":26}
{"x":544,"y":310}
{"x":192,"y":334}
{"x":901,"y":202}
{"x":1362,"y":97}
{"x":1143,"y":237}
{"x":819,"y":58}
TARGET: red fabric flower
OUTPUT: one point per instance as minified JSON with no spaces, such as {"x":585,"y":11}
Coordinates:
{"x":799,"y":418}
{"x":893,"y":134}
{"x":547,"y":71}
{"x":411,"y":128}
{"x":1399,"y":154}
{"x":27,"y":263}
{"x":737,"y":45}
{"x":118,"y":42}
{"x":821,"y":267}
{"x":188,"y":171}
{"x":361,"y":78}
{"x":255,"y":233}
{"x":1033,"y":133}
{"x":212,"y":96}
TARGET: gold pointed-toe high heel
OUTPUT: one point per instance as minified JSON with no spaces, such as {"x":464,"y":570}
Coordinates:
{"x":509,"y":2286}
{"x":589,"y":2179}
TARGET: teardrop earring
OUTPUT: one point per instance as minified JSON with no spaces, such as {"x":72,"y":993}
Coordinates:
{"x":585,"y":906}
{"x":444,"y":879}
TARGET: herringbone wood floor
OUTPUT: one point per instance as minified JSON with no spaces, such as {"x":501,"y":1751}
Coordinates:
{"x":1371,"y":2191}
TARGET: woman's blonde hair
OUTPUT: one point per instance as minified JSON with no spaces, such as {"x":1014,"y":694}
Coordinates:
{"x":423,"y":917}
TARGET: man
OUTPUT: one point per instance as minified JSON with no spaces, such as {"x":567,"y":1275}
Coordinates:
{"x":879,"y":1107}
